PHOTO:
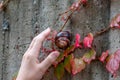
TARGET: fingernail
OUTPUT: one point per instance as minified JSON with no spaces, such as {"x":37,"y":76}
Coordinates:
{"x":56,"y":54}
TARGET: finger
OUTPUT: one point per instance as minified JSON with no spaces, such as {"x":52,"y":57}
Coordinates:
{"x":31,"y":44}
{"x":37,"y":42}
{"x":44,"y":65}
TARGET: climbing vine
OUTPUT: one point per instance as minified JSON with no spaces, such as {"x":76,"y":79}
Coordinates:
{"x":61,"y":40}
{"x":67,"y":61}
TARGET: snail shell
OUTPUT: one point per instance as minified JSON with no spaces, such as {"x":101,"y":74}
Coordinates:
{"x":63,"y":39}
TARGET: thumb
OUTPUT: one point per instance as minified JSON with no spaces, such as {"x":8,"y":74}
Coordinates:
{"x":44,"y":65}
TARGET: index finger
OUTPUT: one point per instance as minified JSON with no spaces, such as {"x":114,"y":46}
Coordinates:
{"x":38,"y":40}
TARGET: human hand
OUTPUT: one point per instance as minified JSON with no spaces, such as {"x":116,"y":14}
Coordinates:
{"x":31,"y":68}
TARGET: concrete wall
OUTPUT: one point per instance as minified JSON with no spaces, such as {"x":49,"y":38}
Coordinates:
{"x":114,"y":38}
{"x":1,"y":46}
{"x":28,"y":17}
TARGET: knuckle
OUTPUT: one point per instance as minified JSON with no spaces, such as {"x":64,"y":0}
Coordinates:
{"x":27,"y":56}
{"x":34,"y":39}
{"x":38,"y":38}
{"x":41,"y":69}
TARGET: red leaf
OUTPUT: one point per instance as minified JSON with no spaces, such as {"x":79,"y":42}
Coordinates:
{"x":84,"y":2}
{"x":112,"y":65}
{"x":77,"y":65}
{"x":77,"y":41}
{"x":115,"y":23}
{"x":88,"y":41}
{"x":118,"y":19}
{"x":89,"y":56}
{"x":103,"y":56}
{"x":117,"y":55}
{"x":67,"y":63}
{"x":75,"y":6}
{"x":59,"y":71}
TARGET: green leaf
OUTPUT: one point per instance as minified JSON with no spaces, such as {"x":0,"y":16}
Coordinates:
{"x":69,"y":50}
{"x":67,"y":64}
{"x":59,"y":71}
{"x":89,"y":56}
{"x":64,"y":54}
{"x":59,"y":59}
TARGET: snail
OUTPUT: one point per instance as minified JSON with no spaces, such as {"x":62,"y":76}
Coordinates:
{"x":63,"y":39}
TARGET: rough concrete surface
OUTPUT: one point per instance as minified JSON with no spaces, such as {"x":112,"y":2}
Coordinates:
{"x":1,"y":45}
{"x":27,"y":18}
{"x":114,"y":37}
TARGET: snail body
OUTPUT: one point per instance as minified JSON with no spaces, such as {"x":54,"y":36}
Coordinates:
{"x":63,"y":39}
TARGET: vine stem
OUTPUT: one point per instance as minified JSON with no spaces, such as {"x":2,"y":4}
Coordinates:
{"x":102,"y":31}
{"x":96,"y":34}
{"x":79,"y":3}
{"x":5,"y":3}
{"x":66,"y":21}
{"x":64,"y":12}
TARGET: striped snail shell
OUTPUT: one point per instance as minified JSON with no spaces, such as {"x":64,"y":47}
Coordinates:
{"x":63,"y":39}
